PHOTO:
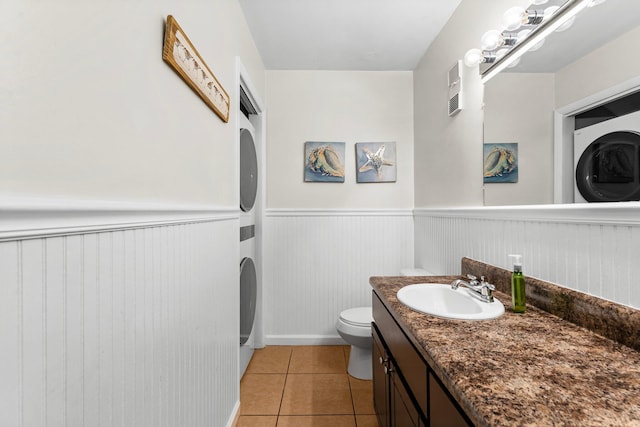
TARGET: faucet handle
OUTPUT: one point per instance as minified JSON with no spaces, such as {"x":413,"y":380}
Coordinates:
{"x":487,"y":284}
{"x":474,"y":279}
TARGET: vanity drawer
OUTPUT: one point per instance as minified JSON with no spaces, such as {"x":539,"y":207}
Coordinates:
{"x":407,"y":359}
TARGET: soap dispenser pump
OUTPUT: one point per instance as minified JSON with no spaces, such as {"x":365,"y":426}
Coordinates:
{"x":518,"y":303}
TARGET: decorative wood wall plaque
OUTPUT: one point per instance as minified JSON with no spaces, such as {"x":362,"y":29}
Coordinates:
{"x":179,"y":52}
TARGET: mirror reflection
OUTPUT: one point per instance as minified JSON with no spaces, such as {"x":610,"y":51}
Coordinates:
{"x":583,"y":67}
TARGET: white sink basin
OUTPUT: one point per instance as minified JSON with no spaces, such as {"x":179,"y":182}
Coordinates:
{"x":440,"y":300}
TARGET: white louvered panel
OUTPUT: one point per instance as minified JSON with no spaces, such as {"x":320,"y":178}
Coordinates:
{"x":318,"y":265}
{"x":599,"y":259}
{"x":134,"y":327}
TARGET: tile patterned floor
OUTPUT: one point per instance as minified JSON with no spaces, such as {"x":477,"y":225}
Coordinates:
{"x":305,"y":386}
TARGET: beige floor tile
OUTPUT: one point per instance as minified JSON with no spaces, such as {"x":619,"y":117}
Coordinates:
{"x":362,"y":394}
{"x":270,"y":360}
{"x":260,"y":394}
{"x":257,"y":421}
{"x":317,"y":421}
{"x":317,"y":394}
{"x":366,"y":421}
{"x":318,"y":360}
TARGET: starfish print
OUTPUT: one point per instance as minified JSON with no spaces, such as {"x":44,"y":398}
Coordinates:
{"x":375,"y":161}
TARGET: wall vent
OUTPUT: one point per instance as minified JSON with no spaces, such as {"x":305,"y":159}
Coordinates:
{"x":455,"y":90}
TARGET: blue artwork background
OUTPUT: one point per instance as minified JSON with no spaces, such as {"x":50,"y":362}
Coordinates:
{"x":506,"y":177}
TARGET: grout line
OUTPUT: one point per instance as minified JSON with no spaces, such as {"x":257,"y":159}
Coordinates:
{"x":286,"y":377}
{"x":344,"y":372}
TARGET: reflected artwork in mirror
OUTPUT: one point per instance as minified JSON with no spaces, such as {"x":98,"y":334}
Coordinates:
{"x":500,"y":163}
{"x":534,"y":102}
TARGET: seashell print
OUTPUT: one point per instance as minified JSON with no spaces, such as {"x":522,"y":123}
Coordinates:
{"x":499,"y":161}
{"x":325,"y":160}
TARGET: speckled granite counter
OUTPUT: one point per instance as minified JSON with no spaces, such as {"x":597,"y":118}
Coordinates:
{"x":532,"y":369}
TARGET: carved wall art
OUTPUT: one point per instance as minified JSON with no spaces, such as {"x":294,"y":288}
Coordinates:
{"x":182,"y":56}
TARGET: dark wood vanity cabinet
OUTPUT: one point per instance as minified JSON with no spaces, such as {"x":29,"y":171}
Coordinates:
{"x":392,"y":401}
{"x":406,"y":391}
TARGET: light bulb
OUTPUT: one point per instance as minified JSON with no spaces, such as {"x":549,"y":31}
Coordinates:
{"x":512,"y":18}
{"x":473,"y":57}
{"x":549,"y":11}
{"x":523,"y":35}
{"x":537,"y":2}
{"x":491,"y":40}
{"x":501,"y":52}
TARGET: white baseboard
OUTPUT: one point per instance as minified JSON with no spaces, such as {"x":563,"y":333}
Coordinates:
{"x":304,"y":340}
{"x":235,"y":415}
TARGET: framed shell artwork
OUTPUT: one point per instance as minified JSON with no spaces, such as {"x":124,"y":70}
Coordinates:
{"x":500,"y":163}
{"x":324,"y":161}
{"x":182,"y":56}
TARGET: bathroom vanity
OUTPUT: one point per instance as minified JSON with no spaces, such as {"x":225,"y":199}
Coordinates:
{"x":535,"y":368}
{"x":406,"y":391}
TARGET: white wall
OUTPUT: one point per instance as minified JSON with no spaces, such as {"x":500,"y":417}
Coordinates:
{"x":606,"y":67}
{"x":338,"y":106}
{"x":559,"y":249}
{"x":581,"y":248}
{"x":318,"y":263}
{"x":448,"y":151}
{"x":91,"y":111}
{"x":508,"y":119}
{"x":120,"y":326}
{"x":131,"y":326}
{"x":322,"y":241}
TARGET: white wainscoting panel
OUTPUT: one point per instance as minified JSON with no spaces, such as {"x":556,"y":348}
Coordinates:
{"x":136,"y":327}
{"x":318,"y":263}
{"x":594,"y":254}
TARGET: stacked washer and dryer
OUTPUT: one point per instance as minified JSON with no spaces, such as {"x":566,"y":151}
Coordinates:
{"x":249,"y":279}
{"x":607,"y":160}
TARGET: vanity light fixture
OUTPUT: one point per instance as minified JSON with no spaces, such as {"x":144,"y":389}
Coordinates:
{"x":537,"y":26}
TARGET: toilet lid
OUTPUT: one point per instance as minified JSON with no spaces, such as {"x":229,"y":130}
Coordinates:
{"x":360,"y":316}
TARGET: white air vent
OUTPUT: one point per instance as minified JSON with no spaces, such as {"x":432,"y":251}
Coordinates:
{"x":455,"y":90}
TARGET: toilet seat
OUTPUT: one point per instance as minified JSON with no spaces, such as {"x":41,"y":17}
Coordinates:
{"x":359,"y":316}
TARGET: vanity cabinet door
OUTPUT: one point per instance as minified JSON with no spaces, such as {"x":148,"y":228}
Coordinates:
{"x":406,"y":358}
{"x":380,"y":369}
{"x":404,"y":412}
{"x":442,"y":411}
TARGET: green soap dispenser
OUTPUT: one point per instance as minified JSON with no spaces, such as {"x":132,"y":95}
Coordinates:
{"x":518,"y":303}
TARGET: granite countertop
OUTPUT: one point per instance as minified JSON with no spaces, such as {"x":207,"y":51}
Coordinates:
{"x":530,"y":369}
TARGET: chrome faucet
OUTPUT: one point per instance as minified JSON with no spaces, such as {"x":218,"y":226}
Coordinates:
{"x":480,"y":290}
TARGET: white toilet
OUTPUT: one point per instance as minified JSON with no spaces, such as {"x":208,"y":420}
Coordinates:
{"x":354,"y":326}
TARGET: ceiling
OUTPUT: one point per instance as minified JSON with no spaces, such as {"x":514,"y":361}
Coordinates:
{"x":345,"y":34}
{"x":395,"y":34}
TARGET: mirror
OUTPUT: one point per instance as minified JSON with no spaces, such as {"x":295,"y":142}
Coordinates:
{"x":571,"y":65}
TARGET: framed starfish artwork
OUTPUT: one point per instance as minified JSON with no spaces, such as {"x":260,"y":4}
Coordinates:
{"x":376,"y":161}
